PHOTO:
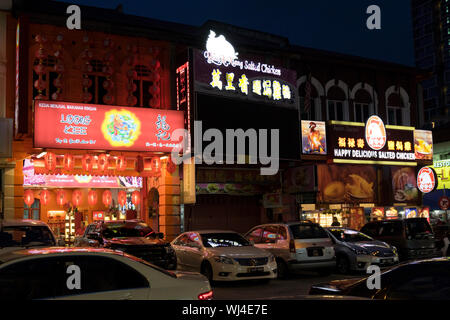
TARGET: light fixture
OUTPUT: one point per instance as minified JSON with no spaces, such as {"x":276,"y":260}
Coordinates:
{"x":40,"y":155}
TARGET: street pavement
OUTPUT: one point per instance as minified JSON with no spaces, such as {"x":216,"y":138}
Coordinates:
{"x":297,"y":284}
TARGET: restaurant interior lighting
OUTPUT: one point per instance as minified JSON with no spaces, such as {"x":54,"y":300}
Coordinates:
{"x":40,"y":155}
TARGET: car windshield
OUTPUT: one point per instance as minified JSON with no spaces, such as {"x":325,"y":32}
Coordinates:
{"x":126,"y":230}
{"x":24,"y":236}
{"x":350,"y":235}
{"x":213,"y":240}
{"x":417,"y":226}
{"x":308,"y":231}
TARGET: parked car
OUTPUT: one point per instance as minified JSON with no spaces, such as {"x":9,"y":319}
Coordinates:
{"x":133,"y":237}
{"x":417,"y":280}
{"x":48,"y":273}
{"x":356,"y":251}
{"x":17,"y":234}
{"x":301,"y":245}
{"x":413,"y":237}
{"x":223,"y":256}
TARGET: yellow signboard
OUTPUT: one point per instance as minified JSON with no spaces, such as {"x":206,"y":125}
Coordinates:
{"x":189,"y":182}
{"x":442,"y":169}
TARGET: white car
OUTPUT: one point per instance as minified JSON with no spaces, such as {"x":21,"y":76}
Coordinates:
{"x":93,"y":274}
{"x":223,"y":256}
{"x":25,"y":233}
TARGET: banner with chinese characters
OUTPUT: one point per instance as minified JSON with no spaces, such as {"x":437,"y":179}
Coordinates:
{"x":245,"y":78}
{"x":70,"y":125}
{"x":347,"y":142}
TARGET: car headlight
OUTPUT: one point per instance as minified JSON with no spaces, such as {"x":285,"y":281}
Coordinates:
{"x":223,"y":259}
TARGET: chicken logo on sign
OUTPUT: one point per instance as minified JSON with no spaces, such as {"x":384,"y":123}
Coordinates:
{"x":375,"y":133}
{"x":426,"y":180}
{"x":219,"y":51}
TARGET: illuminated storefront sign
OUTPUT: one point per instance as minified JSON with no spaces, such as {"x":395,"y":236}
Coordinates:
{"x":426,"y":180}
{"x":374,"y":143}
{"x":101,"y":127}
{"x":423,"y":144}
{"x":218,"y":70}
{"x":314,"y":139}
{"x":442,"y":169}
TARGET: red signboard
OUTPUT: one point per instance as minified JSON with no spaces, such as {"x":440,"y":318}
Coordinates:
{"x":426,"y":180}
{"x":70,"y":125}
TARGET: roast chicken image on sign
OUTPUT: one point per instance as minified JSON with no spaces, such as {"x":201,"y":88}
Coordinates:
{"x":219,"y":50}
{"x":375,"y":133}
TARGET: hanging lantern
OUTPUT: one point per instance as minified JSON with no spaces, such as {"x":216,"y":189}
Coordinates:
{"x":87,"y":162}
{"x":156,"y":164}
{"x":92,"y":198}
{"x":77,"y":197}
{"x":107,"y":198}
{"x":68,"y":162}
{"x":28,"y":197}
{"x":45,"y":197}
{"x":170,"y":167}
{"x":121,"y":163}
{"x":50,"y":161}
{"x":122,"y":197}
{"x":102,"y":163}
{"x":136,"y":197}
{"x":61,"y":197}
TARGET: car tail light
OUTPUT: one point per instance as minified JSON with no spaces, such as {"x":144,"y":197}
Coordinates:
{"x":206,"y":296}
{"x":292,"y":246}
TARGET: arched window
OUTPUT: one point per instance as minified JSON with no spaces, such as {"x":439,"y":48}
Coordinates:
{"x":49,"y":76}
{"x":335,"y":103}
{"x":395,"y":109}
{"x":362,"y":105}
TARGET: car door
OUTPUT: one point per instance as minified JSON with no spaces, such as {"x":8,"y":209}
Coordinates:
{"x":270,"y":237}
{"x":255,"y":236}
{"x":101,"y":278}
{"x":194,"y":252}
{"x":179,"y":245}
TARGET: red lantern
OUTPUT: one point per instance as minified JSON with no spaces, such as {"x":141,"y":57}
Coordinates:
{"x":121,"y":163}
{"x":61,"y":197}
{"x":45,"y":197}
{"x":28,"y":197}
{"x":102,"y":163}
{"x":68,"y":162}
{"x":87,"y":162}
{"x":136,"y":197}
{"x":171,"y":167}
{"x":50,"y":161}
{"x":122,"y":198}
{"x":77,"y":197}
{"x":107,"y":198}
{"x":92,"y":197}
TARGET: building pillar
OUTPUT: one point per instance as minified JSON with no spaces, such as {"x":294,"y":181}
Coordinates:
{"x":169,"y":202}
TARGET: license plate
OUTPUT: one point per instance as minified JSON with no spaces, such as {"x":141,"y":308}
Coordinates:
{"x":315,"y":252}
{"x":257,"y":269}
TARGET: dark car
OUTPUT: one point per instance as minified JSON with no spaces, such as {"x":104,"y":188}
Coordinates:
{"x":133,"y":237}
{"x":413,"y":237}
{"x":417,"y":280}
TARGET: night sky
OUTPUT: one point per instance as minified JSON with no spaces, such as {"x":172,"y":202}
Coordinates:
{"x":333,"y":25}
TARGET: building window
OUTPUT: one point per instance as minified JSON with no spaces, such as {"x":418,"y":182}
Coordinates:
{"x":97,"y":77}
{"x":361,"y":112}
{"x":49,"y":77}
{"x":335,"y":110}
{"x":33,"y":211}
{"x":143,"y":84}
{"x":309,"y":114}
{"x":395,"y":115}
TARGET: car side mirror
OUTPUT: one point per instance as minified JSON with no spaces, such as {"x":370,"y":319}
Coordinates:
{"x":61,"y":242}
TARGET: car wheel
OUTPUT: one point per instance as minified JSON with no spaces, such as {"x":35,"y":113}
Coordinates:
{"x":342,"y":264}
{"x":282,"y":269}
{"x":207,"y":271}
